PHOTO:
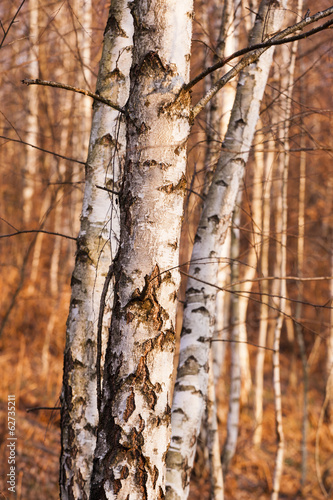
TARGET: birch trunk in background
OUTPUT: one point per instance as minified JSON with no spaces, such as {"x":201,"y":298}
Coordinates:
{"x":198,"y":324}
{"x":300,"y":271}
{"x":235,"y":367}
{"x":287,"y":82}
{"x":96,"y":247}
{"x":32,"y":119}
{"x":134,"y":431}
{"x":216,"y":473}
{"x":83,"y":22}
{"x":264,"y":306}
{"x":240,"y":385}
{"x":220,"y":109}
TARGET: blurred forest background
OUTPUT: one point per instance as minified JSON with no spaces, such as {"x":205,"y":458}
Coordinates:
{"x":282,"y":227}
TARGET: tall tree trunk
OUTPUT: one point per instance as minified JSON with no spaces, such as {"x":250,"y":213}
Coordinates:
{"x":287,"y":86}
{"x":32,"y":120}
{"x":134,"y":429}
{"x":235,"y":368}
{"x":264,"y":306}
{"x":198,"y":324}
{"x":97,"y":246}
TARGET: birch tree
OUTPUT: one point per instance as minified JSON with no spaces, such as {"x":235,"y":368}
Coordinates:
{"x":97,"y":245}
{"x":198,"y":322}
{"x":134,"y":427}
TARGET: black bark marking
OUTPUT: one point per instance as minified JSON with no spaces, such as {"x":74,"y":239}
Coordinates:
{"x":171,"y":188}
{"x":215,"y":219}
{"x":152,"y":65}
{"x":190,"y":367}
{"x":144,"y":304}
{"x":201,"y":310}
{"x":221,"y":183}
{"x":113,"y":26}
{"x":130,"y":406}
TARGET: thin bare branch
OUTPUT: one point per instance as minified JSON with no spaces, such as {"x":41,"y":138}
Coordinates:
{"x":64,"y":86}
{"x":41,"y":149}
{"x":33,"y":231}
{"x":277,"y":39}
{"x":253,"y":53}
{"x":37,"y":408}
{"x":10,"y":24}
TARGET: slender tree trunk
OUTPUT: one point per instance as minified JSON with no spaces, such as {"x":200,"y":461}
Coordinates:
{"x":216,"y":475}
{"x":32,"y":121}
{"x":198,"y":325}
{"x":97,"y":245}
{"x":134,"y":429}
{"x":264,"y":306}
{"x":287,"y":82}
{"x":235,"y":369}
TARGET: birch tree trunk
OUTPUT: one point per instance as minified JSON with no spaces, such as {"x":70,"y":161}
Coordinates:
{"x":235,"y":368}
{"x":134,"y":429}
{"x":198,"y":324}
{"x":32,"y":119}
{"x":264,"y":306}
{"x":287,"y":84}
{"x":97,"y":245}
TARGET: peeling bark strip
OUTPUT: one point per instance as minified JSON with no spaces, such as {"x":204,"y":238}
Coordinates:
{"x":198,"y":323}
{"x":134,"y":430}
{"x":97,"y":246}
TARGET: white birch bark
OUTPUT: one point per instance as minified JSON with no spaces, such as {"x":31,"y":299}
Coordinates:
{"x":220,"y":110}
{"x":300,"y":269}
{"x":80,"y":140}
{"x":198,"y":326}
{"x":97,"y":245}
{"x":217,"y":118}
{"x":216,"y":474}
{"x":287,"y":83}
{"x":134,"y":429}
{"x":32,"y":119}
{"x":235,"y":368}
{"x":264,"y":307}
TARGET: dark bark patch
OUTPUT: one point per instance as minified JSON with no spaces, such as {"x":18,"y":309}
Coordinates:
{"x":116,"y":76}
{"x":171,"y":188}
{"x":179,"y":107}
{"x":152,"y":66}
{"x":130,"y":406}
{"x":190,"y":367}
{"x":106,"y":140}
{"x":186,"y":473}
{"x":215,"y":219}
{"x":221,"y":182}
{"x":113,"y":26}
{"x":144,"y":304}
{"x":75,"y":281}
{"x":201,"y":310}
{"x":155,"y":476}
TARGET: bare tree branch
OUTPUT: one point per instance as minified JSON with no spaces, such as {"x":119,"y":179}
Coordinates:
{"x":42,"y":149}
{"x":5,"y":32}
{"x":253,"y":53}
{"x":33,"y":231}
{"x":58,"y":85}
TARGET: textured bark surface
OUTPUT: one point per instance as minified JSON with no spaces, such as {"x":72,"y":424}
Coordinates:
{"x":134,"y":429}
{"x":198,"y":325}
{"x":97,"y":246}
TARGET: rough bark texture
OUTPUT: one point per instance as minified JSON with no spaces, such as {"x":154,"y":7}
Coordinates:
{"x":97,"y":245}
{"x":134,"y":429}
{"x":191,"y":385}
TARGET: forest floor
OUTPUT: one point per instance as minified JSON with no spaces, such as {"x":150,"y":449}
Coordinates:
{"x":37,"y":382}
